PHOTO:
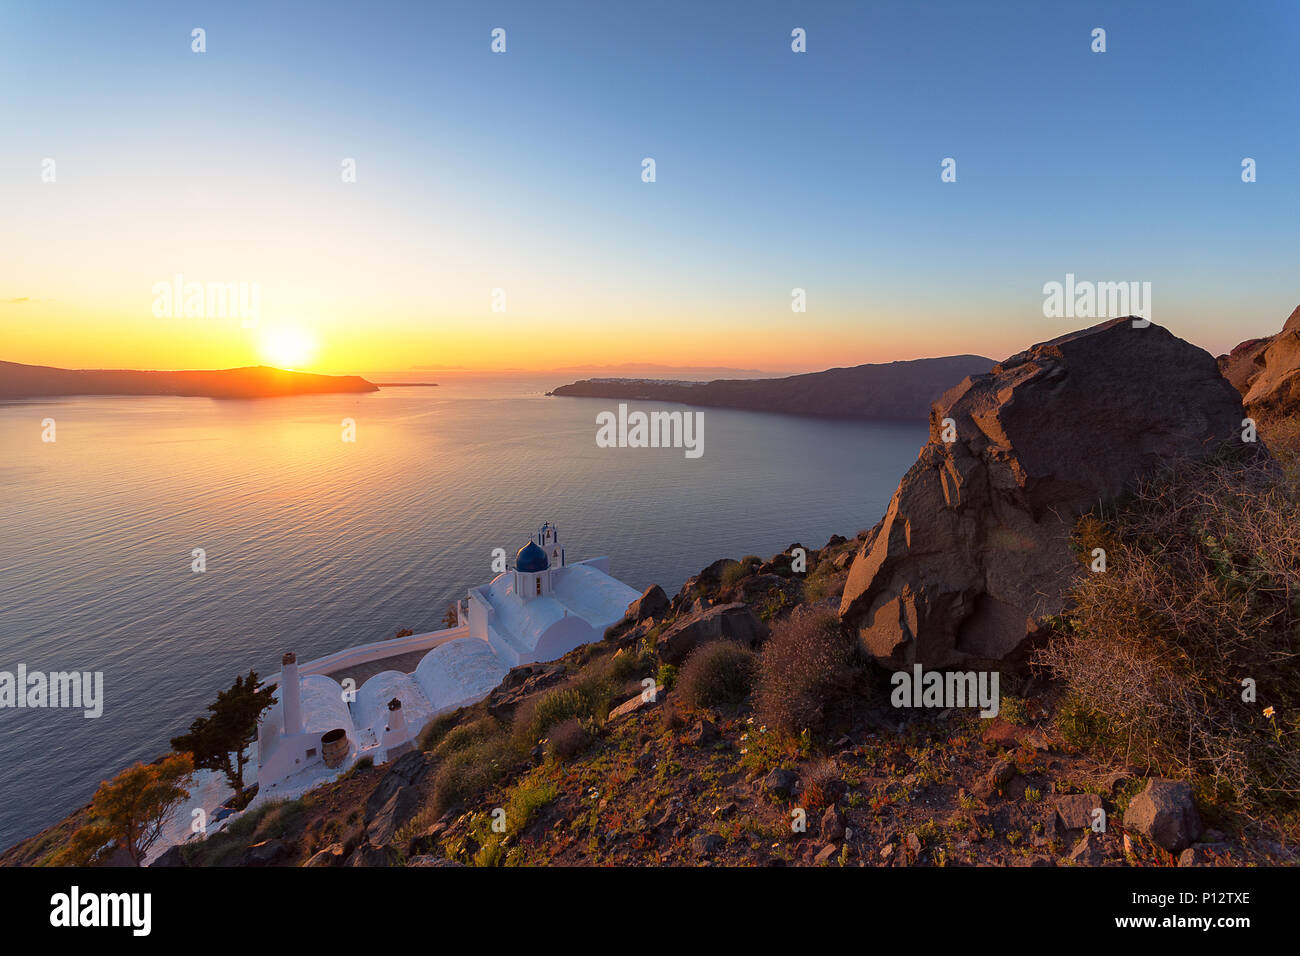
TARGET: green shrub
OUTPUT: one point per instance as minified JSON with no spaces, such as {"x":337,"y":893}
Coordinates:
{"x":824,"y":582}
{"x":667,"y":676}
{"x":735,"y":572}
{"x":438,"y":728}
{"x":720,"y":672}
{"x":587,"y":698}
{"x":466,"y":735}
{"x":468,"y":772}
{"x":627,"y":664}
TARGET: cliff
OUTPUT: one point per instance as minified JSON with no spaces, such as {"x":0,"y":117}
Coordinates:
{"x":1267,"y":372}
{"x":895,"y":390}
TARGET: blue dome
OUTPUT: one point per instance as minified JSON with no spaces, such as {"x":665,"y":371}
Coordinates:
{"x":531,"y":558}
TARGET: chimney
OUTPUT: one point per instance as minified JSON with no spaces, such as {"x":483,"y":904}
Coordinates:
{"x":290,"y":694}
{"x":396,"y":719}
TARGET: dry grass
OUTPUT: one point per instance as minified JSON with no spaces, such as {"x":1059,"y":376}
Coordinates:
{"x":1201,"y":593}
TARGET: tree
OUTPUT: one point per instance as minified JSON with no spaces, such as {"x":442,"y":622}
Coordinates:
{"x":129,"y":811}
{"x":220,"y":741}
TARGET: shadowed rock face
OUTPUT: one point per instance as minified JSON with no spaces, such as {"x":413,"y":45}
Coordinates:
{"x":975,"y":545}
{"x":1267,"y":371}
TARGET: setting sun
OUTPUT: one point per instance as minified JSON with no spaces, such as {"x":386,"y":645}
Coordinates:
{"x":286,"y":347}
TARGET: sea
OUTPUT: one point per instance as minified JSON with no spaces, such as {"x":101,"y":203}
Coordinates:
{"x":312,"y":543}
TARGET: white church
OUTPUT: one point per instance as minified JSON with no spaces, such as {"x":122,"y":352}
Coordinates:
{"x":540,"y":609}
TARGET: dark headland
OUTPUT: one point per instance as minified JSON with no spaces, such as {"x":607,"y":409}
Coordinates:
{"x":41,"y":381}
{"x":894,"y":390}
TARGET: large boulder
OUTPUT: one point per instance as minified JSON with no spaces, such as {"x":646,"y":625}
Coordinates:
{"x":1267,"y":372}
{"x":731,"y":621}
{"x":974,"y":548}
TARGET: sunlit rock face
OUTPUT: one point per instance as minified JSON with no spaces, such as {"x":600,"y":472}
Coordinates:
{"x":1267,"y":372}
{"x":974,"y":548}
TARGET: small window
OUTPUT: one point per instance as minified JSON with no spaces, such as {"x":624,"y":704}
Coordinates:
{"x":539,"y":585}
{"x":311,"y":752}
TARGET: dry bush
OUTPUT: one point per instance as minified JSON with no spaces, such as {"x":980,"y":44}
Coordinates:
{"x":567,"y":739}
{"x":806,"y":672}
{"x":1201,"y":591}
{"x":720,"y":672}
{"x":1282,"y":435}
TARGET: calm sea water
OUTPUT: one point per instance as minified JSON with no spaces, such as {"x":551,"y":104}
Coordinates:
{"x":314,"y":544}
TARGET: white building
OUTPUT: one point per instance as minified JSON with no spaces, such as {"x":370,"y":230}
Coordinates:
{"x":538,"y":610}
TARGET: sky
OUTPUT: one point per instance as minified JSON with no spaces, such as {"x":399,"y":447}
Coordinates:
{"x":522,"y":171}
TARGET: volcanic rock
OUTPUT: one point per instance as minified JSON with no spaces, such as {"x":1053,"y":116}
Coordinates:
{"x":974,"y":548}
{"x":734,"y":621}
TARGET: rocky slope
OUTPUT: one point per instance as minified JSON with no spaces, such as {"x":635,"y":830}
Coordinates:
{"x":573,"y":762}
{"x":664,"y":782}
{"x":897,"y":390}
{"x":974,"y":549}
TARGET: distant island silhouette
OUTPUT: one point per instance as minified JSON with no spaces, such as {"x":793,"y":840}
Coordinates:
{"x":892,"y":390}
{"x":261,"y":381}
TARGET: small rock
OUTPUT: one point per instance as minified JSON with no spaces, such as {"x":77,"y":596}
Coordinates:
{"x":702,"y":733}
{"x":1052,"y":828}
{"x":827,"y":854}
{"x":332,"y":855}
{"x":1076,"y":810}
{"x":368,"y":854}
{"x":1003,"y":733}
{"x":1165,"y":813}
{"x":999,"y":775}
{"x":1089,"y":851}
{"x":832,"y":825}
{"x":636,"y":703}
{"x":1206,"y":854}
{"x":267,"y":853}
{"x":706,"y":844}
{"x":780,"y":783}
{"x":652,"y":603}
{"x":425,"y":841}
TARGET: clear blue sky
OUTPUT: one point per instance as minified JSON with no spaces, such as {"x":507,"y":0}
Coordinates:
{"x":775,"y":170}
